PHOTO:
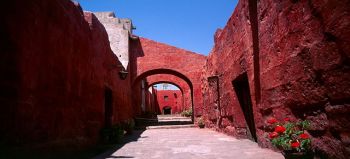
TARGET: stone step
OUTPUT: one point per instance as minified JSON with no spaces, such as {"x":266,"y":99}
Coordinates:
{"x":173,"y":118}
{"x":164,"y":122}
{"x":180,"y":120}
{"x":171,"y":126}
{"x":169,"y":120}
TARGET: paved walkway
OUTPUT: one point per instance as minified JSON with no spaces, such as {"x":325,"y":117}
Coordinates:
{"x":188,"y":143}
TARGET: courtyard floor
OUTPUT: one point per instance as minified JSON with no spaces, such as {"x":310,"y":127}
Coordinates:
{"x":187,"y":143}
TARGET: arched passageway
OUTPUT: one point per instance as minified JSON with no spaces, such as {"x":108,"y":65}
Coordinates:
{"x":145,"y":90}
{"x":154,"y":58}
{"x":163,"y":97}
{"x":176,"y":81}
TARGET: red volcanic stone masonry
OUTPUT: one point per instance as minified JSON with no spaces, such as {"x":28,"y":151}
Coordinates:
{"x":305,"y":68}
{"x":304,"y":71}
{"x":230,"y":57}
{"x":169,"y":98}
{"x":55,"y":64}
{"x":284,"y":59}
{"x":165,"y":59}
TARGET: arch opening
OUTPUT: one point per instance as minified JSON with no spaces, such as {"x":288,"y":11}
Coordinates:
{"x":168,"y":96}
{"x":142,"y":78}
{"x":163,"y":71}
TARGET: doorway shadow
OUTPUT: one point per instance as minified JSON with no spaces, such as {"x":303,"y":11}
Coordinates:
{"x":242,"y":89}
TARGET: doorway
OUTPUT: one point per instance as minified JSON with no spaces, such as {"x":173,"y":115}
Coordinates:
{"x":241,"y":87}
{"x":167,"y":110}
{"x":108,"y":107}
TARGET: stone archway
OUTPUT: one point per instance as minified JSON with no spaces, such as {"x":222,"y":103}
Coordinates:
{"x":153,"y":58}
{"x":176,"y":81}
{"x":142,"y":80}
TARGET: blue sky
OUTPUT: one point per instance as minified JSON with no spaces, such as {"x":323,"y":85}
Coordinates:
{"x":168,"y":87}
{"x":187,"y":24}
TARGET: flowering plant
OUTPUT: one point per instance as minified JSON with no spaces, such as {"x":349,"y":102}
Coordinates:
{"x":290,"y":136}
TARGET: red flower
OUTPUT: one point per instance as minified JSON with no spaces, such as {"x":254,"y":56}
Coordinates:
{"x":286,"y":119}
{"x":304,"y":136}
{"x":280,"y":129}
{"x":295,"y":144}
{"x":272,"y":120}
{"x":273,"y":135}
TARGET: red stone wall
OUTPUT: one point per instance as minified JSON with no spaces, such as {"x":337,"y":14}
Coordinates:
{"x":152,"y":55}
{"x":56,"y":63}
{"x":230,"y":57}
{"x":305,"y":69}
{"x":54,"y":66}
{"x":303,"y":51}
{"x":152,"y":103}
{"x":174,"y":100}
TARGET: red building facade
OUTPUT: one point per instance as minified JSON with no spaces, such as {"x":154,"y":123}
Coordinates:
{"x":169,"y":101}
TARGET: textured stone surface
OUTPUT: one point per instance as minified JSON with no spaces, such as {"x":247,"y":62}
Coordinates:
{"x":308,"y":61}
{"x":230,"y":57}
{"x":303,"y":71}
{"x":55,"y":65}
{"x":56,"y":62}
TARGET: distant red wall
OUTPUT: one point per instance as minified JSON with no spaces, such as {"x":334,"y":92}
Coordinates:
{"x":55,"y":63}
{"x":176,"y":81}
{"x":174,"y":100}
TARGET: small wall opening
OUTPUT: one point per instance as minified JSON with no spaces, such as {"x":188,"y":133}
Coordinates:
{"x":241,"y":87}
{"x":108,"y":107}
{"x":166,"y":98}
{"x":167,"y":110}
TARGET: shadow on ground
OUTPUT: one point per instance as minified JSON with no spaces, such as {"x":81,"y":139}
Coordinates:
{"x":127,"y":139}
{"x":99,"y":151}
{"x":67,"y":152}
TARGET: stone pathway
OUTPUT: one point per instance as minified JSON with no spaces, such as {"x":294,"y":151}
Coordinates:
{"x":188,"y":143}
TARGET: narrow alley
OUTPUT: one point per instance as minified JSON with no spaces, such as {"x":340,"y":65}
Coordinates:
{"x":78,"y":82}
